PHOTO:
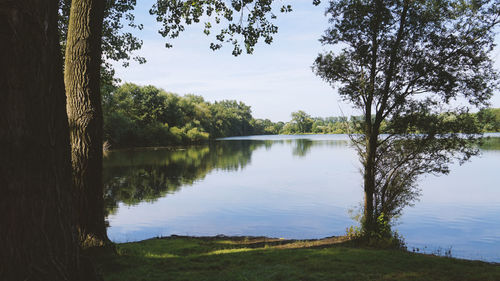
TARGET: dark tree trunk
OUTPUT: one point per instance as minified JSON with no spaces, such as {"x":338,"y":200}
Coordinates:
{"x":369,"y":223}
{"x":38,"y":237}
{"x":81,"y":77}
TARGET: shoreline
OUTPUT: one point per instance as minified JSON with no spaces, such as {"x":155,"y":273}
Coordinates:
{"x":263,"y":258}
{"x":293,"y":243}
{"x":109,"y":148}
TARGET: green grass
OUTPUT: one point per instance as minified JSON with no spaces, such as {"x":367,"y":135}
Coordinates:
{"x":224,"y":258}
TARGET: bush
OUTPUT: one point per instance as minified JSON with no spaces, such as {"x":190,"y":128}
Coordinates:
{"x":383,"y":237}
{"x":195,"y":135}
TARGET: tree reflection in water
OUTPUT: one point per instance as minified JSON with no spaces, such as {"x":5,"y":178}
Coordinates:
{"x":134,"y":176}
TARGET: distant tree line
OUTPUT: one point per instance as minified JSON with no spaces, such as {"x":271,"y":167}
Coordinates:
{"x":303,"y":123}
{"x":488,"y":120}
{"x":148,"y":116}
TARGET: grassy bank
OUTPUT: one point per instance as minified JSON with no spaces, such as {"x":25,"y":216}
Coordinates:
{"x":238,"y":258}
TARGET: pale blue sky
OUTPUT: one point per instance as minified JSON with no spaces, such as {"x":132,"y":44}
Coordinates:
{"x":275,"y":81}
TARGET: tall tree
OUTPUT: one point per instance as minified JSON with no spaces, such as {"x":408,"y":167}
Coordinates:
{"x":420,"y":65}
{"x":84,"y":107}
{"x":81,"y":77}
{"x":82,"y":70}
{"x":303,"y":121}
{"x":38,"y":236}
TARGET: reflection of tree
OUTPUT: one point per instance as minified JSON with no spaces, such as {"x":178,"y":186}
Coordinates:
{"x":133,"y":176}
{"x":491,"y":144}
{"x":302,"y":147}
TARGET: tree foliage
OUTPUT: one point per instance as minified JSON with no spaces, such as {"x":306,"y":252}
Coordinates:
{"x":138,"y":116}
{"x":266,"y":127}
{"x":302,"y":121}
{"x":148,"y":116}
{"x":117,"y":44}
{"x":251,"y":20}
{"x":245,"y":21}
{"x":489,"y":118}
{"x":422,"y":65}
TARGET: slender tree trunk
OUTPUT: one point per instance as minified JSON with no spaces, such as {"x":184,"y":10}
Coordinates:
{"x":38,"y":237}
{"x":369,"y":186}
{"x":369,"y":220}
{"x":371,"y":131}
{"x":82,"y":77}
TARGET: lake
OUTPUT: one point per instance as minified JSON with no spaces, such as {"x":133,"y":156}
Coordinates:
{"x":301,"y":187}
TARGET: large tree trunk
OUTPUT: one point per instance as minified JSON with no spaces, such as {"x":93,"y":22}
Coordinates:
{"x":38,"y":237}
{"x":81,"y":77}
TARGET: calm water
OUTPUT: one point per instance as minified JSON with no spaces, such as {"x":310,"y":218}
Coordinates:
{"x":292,"y":187}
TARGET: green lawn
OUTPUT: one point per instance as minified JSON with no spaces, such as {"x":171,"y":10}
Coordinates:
{"x":224,"y":258}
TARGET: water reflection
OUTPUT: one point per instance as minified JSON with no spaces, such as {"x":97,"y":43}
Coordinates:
{"x":293,"y":187}
{"x":144,"y":175}
{"x":134,"y":176}
{"x":302,"y":147}
{"x":491,"y":143}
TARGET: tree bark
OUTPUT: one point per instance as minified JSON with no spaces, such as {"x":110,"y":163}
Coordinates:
{"x":38,"y":237}
{"x":369,"y":223}
{"x":82,"y":78}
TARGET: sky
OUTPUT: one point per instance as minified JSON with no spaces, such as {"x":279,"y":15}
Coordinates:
{"x":275,"y":80}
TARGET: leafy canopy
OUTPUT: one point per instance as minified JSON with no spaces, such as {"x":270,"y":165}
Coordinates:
{"x":422,"y":66}
{"x":250,"y":19}
{"x":117,"y":44}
